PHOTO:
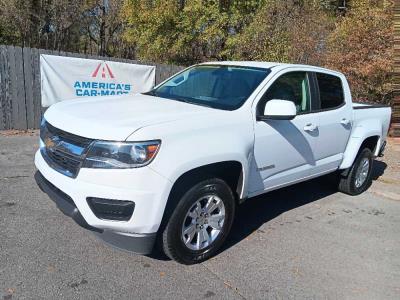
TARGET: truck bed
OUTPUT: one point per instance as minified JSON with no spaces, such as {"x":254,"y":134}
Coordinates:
{"x":373,"y":116}
{"x":358,"y":105}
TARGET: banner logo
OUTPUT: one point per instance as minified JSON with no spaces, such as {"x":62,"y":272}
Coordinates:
{"x":103,"y":84}
{"x":104,"y":67}
{"x":52,"y":142}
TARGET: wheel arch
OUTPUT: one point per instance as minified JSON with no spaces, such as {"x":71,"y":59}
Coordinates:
{"x":356,"y":144}
{"x":230,"y":171}
{"x":371,"y":143}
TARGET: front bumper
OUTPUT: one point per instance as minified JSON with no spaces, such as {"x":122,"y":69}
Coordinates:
{"x":63,"y":202}
{"x":146,"y":188}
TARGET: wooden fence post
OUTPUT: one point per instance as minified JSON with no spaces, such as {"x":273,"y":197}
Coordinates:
{"x":3,"y":84}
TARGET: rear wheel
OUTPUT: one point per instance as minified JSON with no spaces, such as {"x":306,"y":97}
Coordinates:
{"x":200,"y":223}
{"x":359,"y":177}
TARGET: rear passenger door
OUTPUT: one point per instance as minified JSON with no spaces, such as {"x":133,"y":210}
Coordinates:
{"x":334,"y":121}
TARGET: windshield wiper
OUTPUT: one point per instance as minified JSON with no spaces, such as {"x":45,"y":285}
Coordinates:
{"x":150,"y":93}
{"x":201,"y":104}
{"x":176,"y":98}
{"x":182,"y":99}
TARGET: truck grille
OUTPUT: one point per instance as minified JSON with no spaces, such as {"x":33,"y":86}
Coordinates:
{"x":63,"y":151}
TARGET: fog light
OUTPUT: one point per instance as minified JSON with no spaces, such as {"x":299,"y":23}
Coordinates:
{"x":108,"y":209}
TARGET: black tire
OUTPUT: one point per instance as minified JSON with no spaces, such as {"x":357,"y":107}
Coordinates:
{"x":172,"y":241}
{"x":347,"y":184}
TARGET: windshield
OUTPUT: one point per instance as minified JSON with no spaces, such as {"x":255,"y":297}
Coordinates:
{"x":216,"y":86}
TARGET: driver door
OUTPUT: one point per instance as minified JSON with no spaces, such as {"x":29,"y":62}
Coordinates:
{"x":284,"y":149}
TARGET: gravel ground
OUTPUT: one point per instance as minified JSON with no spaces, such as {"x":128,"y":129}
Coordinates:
{"x":306,"y":241}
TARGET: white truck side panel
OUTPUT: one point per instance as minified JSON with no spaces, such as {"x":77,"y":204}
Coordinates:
{"x":189,"y":145}
{"x":366,"y":123}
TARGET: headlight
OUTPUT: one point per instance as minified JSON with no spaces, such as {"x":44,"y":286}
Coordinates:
{"x":120,"y":155}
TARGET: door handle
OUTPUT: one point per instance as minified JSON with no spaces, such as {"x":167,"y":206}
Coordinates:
{"x":310,"y":127}
{"x":344,"y":121}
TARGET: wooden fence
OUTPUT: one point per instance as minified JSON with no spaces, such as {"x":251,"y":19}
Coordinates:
{"x":20,"y":97}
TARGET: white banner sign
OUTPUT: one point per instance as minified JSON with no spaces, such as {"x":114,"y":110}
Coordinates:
{"x":64,"y":78}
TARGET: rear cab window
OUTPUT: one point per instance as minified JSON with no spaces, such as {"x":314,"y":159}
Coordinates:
{"x":330,"y":91}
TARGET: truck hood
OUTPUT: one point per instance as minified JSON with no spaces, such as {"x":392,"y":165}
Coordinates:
{"x":116,"y":118}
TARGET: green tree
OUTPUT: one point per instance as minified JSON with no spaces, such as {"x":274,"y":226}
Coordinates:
{"x":285,"y":31}
{"x":8,"y":34}
{"x":185,"y":32}
{"x":89,"y":26}
{"x":101,"y":27}
{"x":202,"y":31}
{"x":41,"y":23}
{"x":151,"y":28}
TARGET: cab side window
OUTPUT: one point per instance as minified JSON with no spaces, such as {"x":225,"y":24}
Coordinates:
{"x":292,"y":86}
{"x":330,"y":91}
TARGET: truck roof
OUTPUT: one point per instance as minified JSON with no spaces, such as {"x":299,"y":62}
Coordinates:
{"x":265,"y":64}
{"x":256,"y":64}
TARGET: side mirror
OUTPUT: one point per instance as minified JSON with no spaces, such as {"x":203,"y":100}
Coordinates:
{"x":278,"y":110}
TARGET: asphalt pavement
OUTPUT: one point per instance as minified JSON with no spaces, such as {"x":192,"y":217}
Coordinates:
{"x":307,"y":241}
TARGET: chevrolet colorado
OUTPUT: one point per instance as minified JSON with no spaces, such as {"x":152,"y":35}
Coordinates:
{"x":170,"y":166}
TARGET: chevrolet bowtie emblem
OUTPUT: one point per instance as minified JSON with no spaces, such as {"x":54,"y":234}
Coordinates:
{"x":51,"y":142}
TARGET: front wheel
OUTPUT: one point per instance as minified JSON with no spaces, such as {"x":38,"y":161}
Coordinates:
{"x":200,"y":223}
{"x":359,"y":178}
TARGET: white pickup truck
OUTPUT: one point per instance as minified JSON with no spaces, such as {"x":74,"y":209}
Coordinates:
{"x":170,"y":166}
